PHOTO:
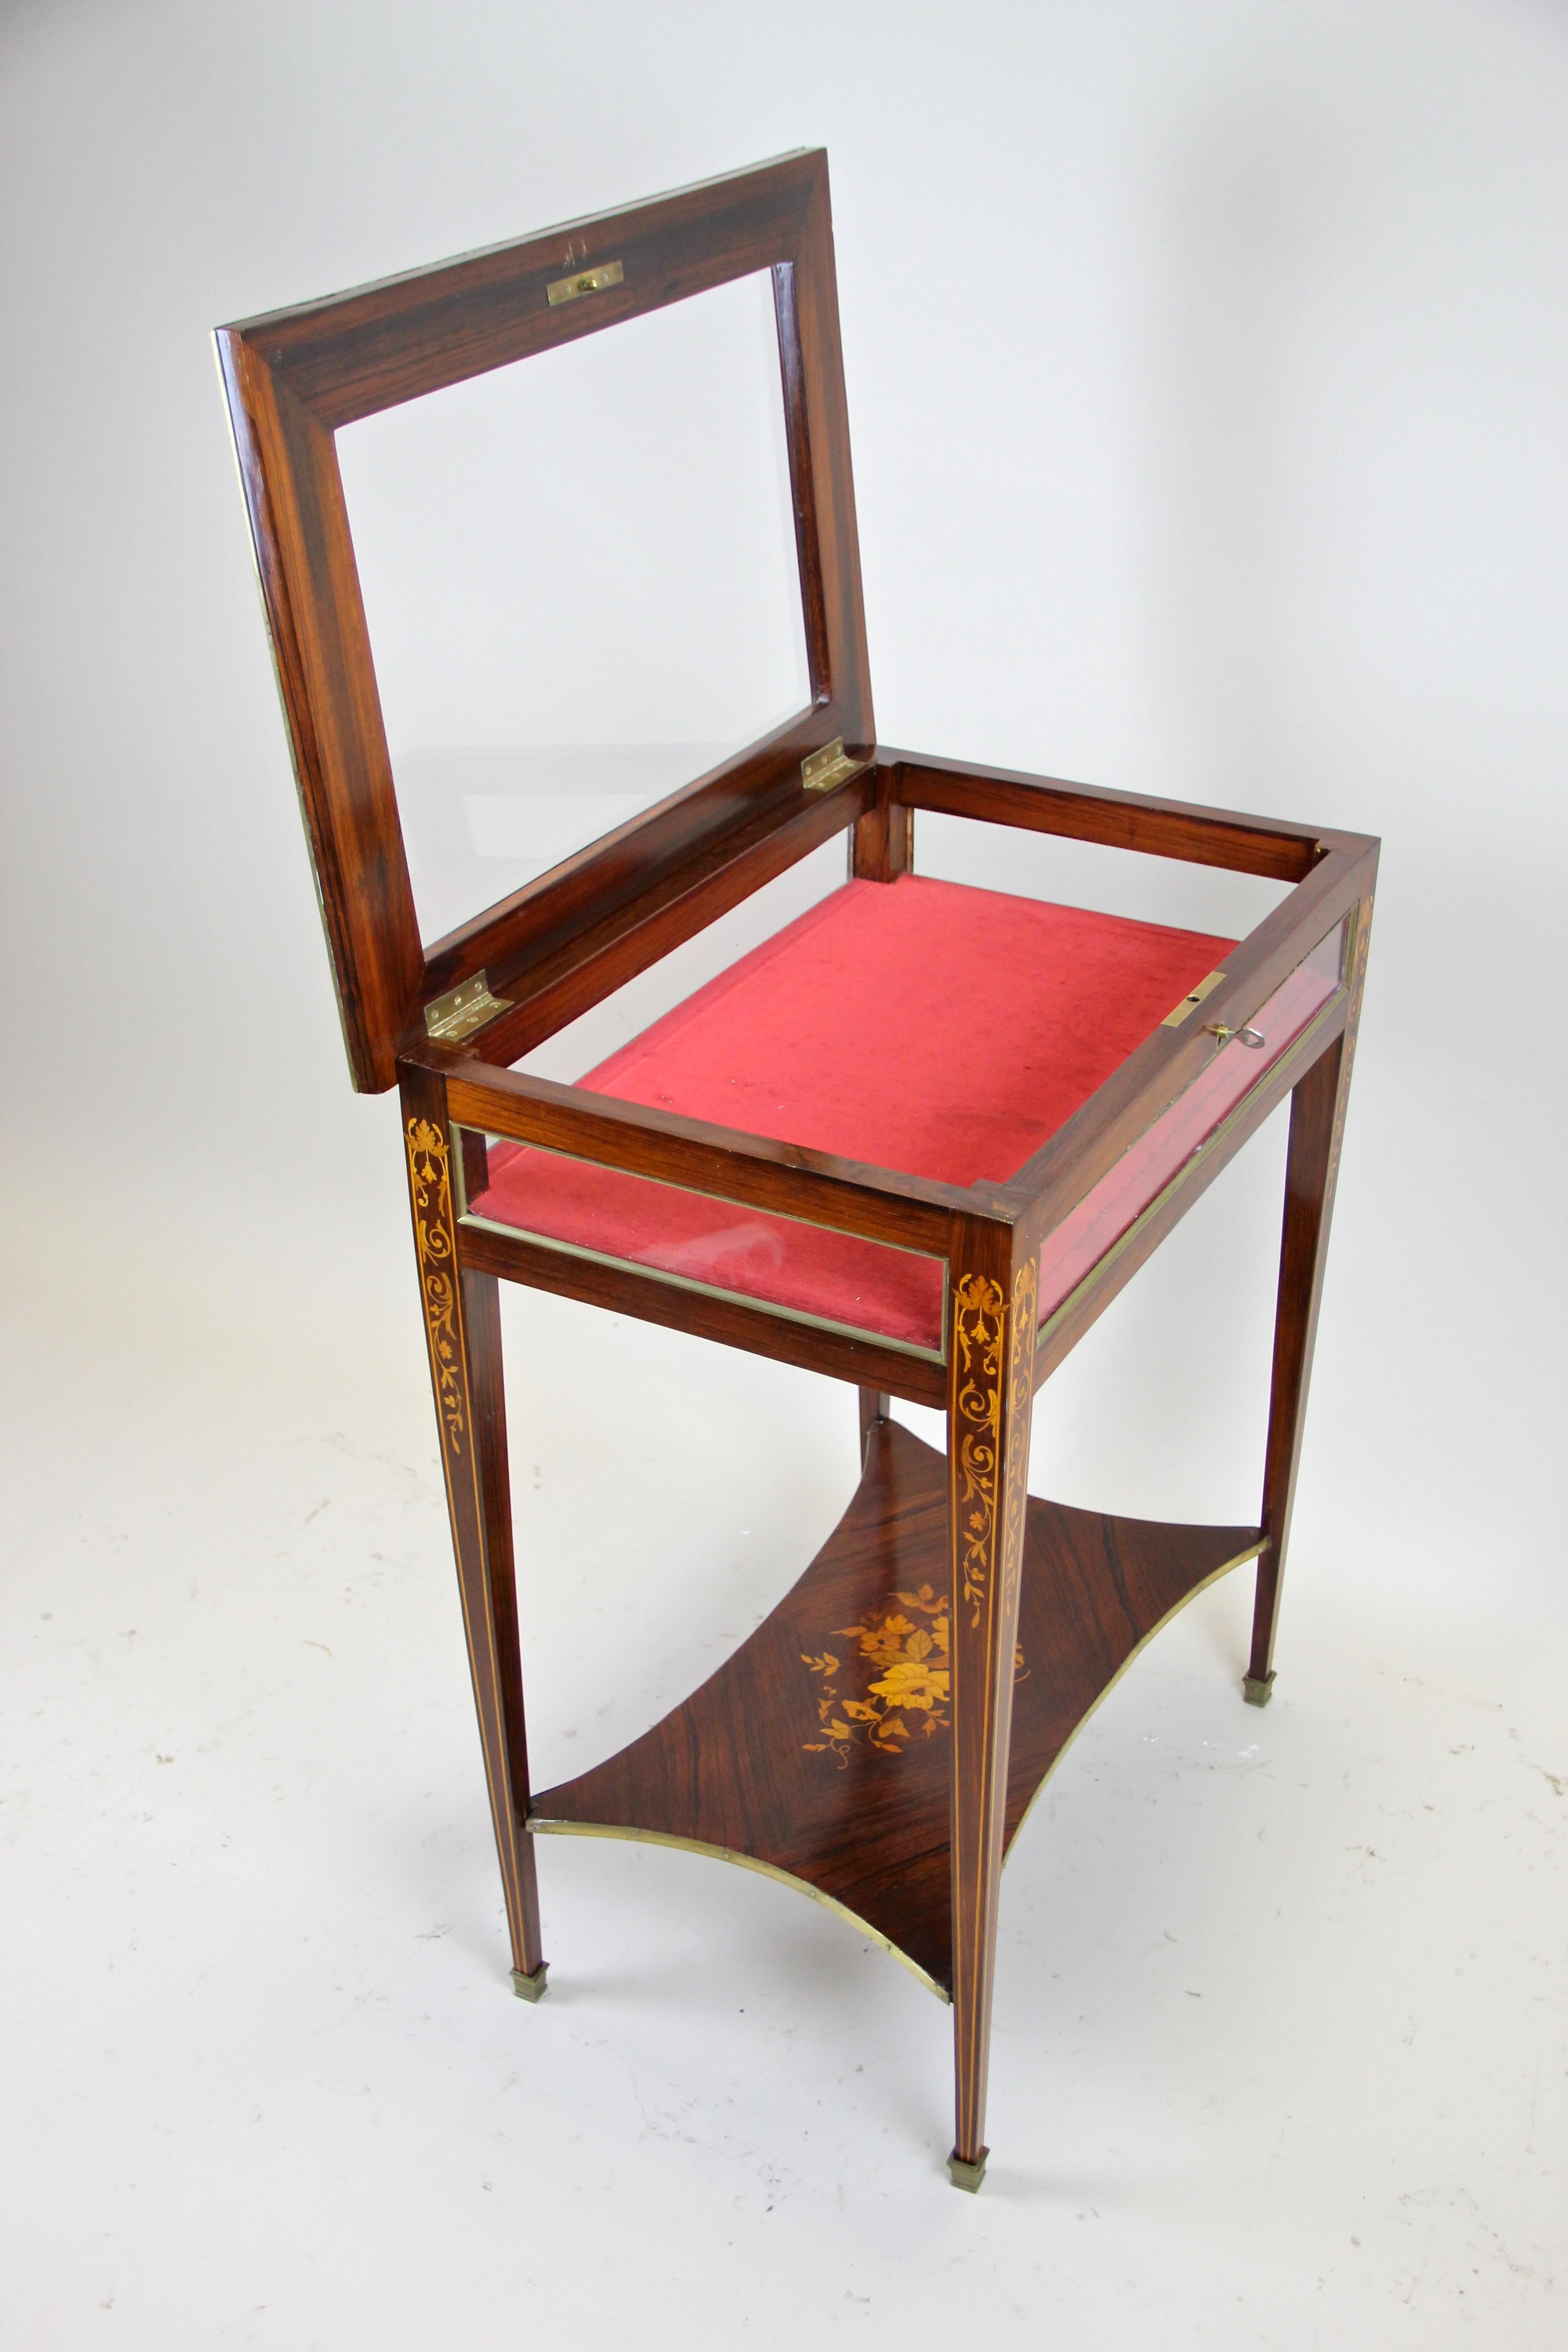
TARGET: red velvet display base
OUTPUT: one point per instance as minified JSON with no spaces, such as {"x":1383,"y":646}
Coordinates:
{"x":918,"y":1025}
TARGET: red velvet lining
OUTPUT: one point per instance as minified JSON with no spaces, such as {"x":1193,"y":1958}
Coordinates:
{"x":918,"y":1025}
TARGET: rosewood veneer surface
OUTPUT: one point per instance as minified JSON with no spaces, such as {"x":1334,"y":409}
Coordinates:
{"x":918,"y":1141}
{"x":750,"y":1764}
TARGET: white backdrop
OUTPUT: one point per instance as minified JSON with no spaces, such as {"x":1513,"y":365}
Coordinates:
{"x":1207,"y":369}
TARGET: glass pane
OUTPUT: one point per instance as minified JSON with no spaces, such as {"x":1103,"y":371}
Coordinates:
{"x":1124,"y":1191}
{"x":1103,"y":878}
{"x":806,"y":1272}
{"x":580,"y":578}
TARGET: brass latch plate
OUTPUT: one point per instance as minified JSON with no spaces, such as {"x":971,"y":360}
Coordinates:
{"x":829,"y":766}
{"x":587,"y":281}
{"x":1194,"y":997}
{"x":464,"y":1008}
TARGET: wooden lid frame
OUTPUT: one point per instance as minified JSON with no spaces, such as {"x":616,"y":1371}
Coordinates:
{"x":292,"y":377}
{"x":915,"y":1858}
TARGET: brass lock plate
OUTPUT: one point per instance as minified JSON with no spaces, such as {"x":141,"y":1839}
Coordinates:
{"x":587,"y":281}
{"x":1193,"y":997}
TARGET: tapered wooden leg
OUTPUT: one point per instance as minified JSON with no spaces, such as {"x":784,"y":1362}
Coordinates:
{"x":462,"y":1323}
{"x":989,"y":1396}
{"x":482,"y":1324}
{"x":874,"y":1407}
{"x":1318,"y":1106}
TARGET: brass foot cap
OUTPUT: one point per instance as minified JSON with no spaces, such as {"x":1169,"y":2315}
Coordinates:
{"x":967,"y":2176}
{"x":1257,"y":1689}
{"x":530,"y":1987}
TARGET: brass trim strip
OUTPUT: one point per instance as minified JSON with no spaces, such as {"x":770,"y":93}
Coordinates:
{"x":795,"y":1314}
{"x":1252,"y":1552}
{"x":475,"y":1218}
{"x":587,"y":281}
{"x":538,"y":1827}
{"x":1295,"y":1050}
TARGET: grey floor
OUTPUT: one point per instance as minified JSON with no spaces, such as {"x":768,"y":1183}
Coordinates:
{"x":1208,"y":378}
{"x":1280,"y":2047}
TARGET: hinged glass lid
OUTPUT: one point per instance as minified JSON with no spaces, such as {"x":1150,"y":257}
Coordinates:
{"x":569,"y":632}
{"x":581,"y":587}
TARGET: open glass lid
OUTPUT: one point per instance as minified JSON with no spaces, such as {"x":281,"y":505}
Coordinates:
{"x":557,"y":543}
{"x":581,"y":587}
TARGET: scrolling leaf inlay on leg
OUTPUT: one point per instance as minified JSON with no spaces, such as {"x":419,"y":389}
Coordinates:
{"x":977,"y":1335}
{"x":429,"y":1177}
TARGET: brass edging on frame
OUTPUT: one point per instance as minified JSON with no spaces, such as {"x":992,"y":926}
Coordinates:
{"x":585,"y":281}
{"x":711,"y":1290}
{"x":696,"y":1191}
{"x":538,"y":1827}
{"x":467,"y":1216}
{"x":1294,"y":1051}
{"x":1252,"y":1552}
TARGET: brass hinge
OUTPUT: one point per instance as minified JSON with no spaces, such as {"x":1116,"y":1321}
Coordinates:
{"x":464,"y":1008}
{"x":588,"y":281}
{"x":829,"y":766}
{"x":1196,"y":996}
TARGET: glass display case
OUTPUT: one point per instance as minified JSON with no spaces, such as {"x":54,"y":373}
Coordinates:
{"x":916,"y":1141}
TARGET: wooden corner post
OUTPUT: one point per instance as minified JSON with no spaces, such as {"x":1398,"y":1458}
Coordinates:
{"x":993,"y":1311}
{"x":1318,"y":1104}
{"x":462,"y":1331}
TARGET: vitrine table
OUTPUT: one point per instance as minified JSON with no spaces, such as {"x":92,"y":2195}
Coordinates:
{"x":918,"y":1141}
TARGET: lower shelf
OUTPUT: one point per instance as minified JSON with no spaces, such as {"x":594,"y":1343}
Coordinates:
{"x":821,"y":1752}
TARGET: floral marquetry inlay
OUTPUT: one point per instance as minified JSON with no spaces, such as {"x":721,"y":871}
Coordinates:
{"x":430,"y":1185}
{"x":899,"y":1674}
{"x":902,"y":1668}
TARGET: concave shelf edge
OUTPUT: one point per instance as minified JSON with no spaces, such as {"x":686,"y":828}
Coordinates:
{"x":539,"y":1827}
{"x":846,"y":1792}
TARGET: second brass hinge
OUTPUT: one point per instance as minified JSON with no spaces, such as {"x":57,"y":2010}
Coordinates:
{"x":464,"y":1008}
{"x":829,"y":766}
